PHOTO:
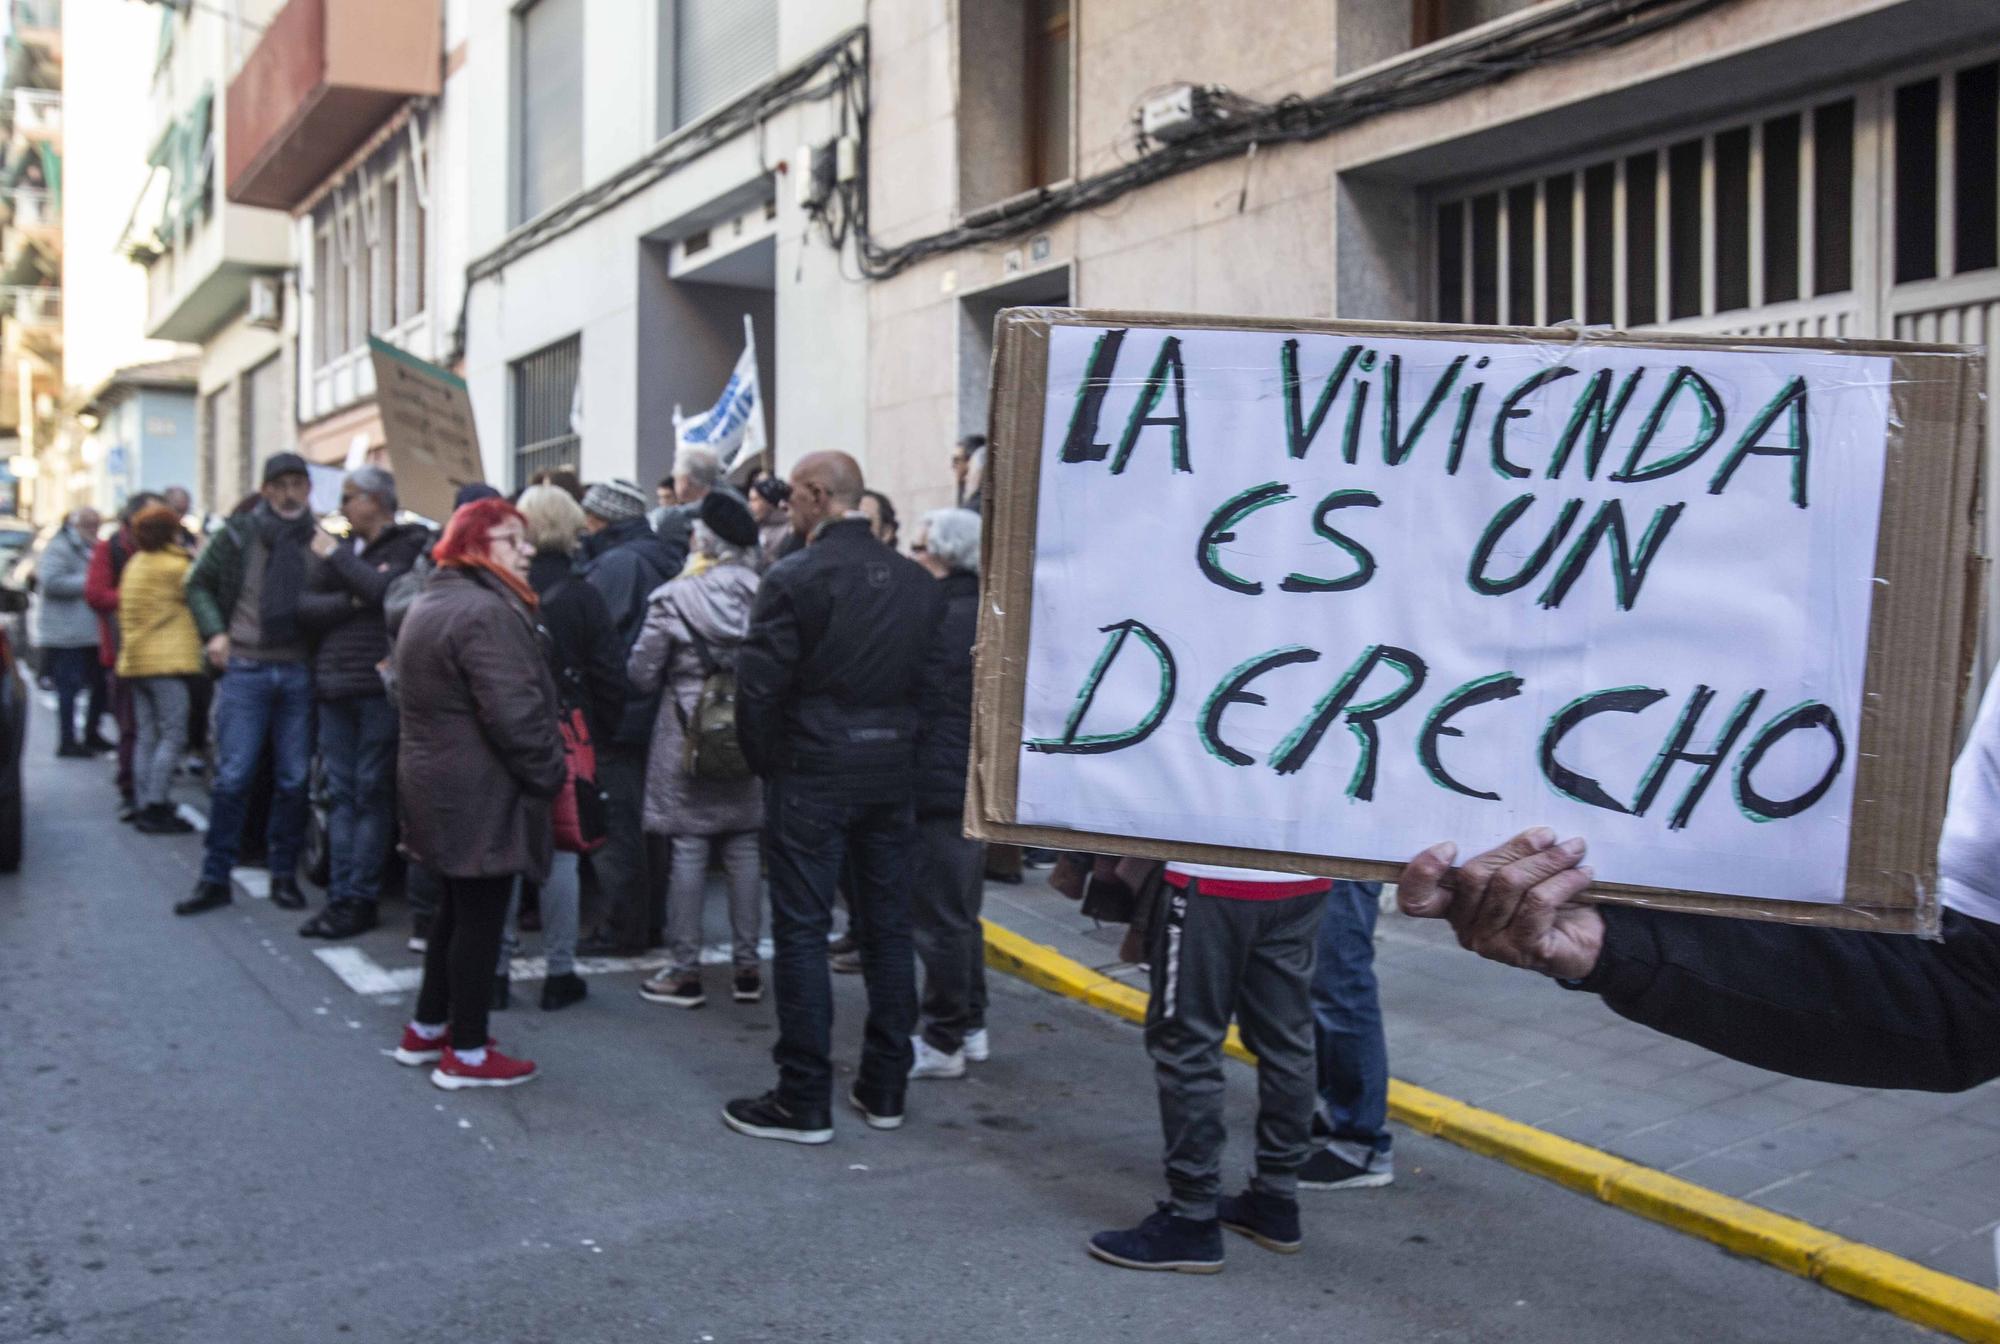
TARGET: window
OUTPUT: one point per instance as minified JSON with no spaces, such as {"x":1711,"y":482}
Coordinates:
{"x":711,"y":51}
{"x":1750,"y":214}
{"x":1435,"y":20}
{"x":368,"y":263}
{"x":544,"y":399}
{"x":548,"y":105}
{"x":1014,"y":120}
{"x":1945,"y":147}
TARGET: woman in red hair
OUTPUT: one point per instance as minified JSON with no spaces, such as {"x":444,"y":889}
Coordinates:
{"x":479,"y":760}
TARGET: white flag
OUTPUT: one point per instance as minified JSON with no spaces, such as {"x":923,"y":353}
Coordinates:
{"x":734,"y":426}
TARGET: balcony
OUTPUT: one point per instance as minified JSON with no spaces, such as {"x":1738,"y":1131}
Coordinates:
{"x":323,"y":77}
{"x":36,"y":306}
{"x":38,"y":115}
{"x":35,"y":212}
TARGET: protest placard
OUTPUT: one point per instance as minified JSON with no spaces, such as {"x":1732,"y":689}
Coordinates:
{"x":427,"y":426}
{"x":1313,"y":596}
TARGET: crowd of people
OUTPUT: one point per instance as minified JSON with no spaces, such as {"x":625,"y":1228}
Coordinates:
{"x":564,"y":710}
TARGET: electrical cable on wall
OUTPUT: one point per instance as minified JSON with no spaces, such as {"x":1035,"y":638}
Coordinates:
{"x":840,"y":69}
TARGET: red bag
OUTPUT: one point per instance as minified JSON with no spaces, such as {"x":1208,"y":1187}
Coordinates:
{"x":581,"y":811}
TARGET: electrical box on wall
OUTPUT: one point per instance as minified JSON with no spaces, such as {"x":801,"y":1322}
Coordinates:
{"x":267,"y":303}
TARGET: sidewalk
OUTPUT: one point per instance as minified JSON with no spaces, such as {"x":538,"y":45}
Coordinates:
{"x":1913,"y":1173}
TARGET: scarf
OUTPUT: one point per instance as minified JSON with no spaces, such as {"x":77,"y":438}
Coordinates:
{"x":484,"y":564}
{"x":287,"y":544}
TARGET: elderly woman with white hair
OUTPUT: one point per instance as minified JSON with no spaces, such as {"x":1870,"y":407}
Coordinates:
{"x":950,"y":869}
{"x":697,"y":788}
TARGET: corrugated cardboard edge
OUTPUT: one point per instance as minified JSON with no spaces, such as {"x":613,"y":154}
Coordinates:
{"x":1919,"y":644}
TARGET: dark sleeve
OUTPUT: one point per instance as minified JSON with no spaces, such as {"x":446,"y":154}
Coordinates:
{"x":941,"y":664}
{"x":325,"y":603}
{"x":767,"y":666}
{"x":1839,"y":1005}
{"x":603,"y":667}
{"x":676,"y":532}
{"x":616,"y":578}
{"x":517,"y":716}
{"x":362,"y":579}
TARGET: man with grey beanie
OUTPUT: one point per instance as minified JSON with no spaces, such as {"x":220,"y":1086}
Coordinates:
{"x":625,"y":560}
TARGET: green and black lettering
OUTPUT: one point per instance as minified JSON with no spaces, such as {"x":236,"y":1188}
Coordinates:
{"x":1219,"y":530}
{"x":1300,"y":431}
{"x":1080,"y":445}
{"x":1713,"y":420}
{"x":1790,"y":399}
{"x":1467,"y":401}
{"x":1166,"y":366}
{"x":1292,"y":753}
{"x":1567,"y":782}
{"x":1482,"y":691}
{"x":1811,"y":714}
{"x":1591,"y":411}
{"x":1628,"y":573}
{"x":1396,"y":446}
{"x":1364,"y":559}
{"x":1511,"y":409}
{"x":1475,"y":573}
{"x":1706,"y":763}
{"x":1231,"y":692}
{"x":1096,"y":744}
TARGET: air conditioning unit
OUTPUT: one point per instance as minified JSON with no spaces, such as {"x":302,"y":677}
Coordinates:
{"x":266,"y":302}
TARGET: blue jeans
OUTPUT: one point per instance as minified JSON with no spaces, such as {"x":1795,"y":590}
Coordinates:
{"x":256,"y":701}
{"x":357,"y":744}
{"x":1347,"y":1024}
{"x":76,"y":673}
{"x":808,"y":832}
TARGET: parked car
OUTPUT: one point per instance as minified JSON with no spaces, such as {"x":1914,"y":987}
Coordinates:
{"x":15,"y":696}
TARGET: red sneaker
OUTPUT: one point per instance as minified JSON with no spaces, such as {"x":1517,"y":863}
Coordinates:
{"x":496,"y":1070}
{"x":416,"y":1050}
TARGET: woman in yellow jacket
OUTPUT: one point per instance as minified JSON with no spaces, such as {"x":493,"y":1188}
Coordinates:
{"x":159,"y":651}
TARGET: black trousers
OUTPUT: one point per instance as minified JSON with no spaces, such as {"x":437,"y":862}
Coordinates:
{"x":459,"y":959}
{"x":1837,"y":1005}
{"x":810,"y":830}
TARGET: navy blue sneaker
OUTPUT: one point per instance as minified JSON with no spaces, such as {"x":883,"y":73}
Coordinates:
{"x":1272,"y":1221}
{"x":1164,"y":1241}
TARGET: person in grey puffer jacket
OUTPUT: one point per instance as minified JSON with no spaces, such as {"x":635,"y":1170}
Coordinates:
{"x":706,"y":613}
{"x":66,"y":628}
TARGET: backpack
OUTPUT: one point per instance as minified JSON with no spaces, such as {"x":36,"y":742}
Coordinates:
{"x":709,"y":749}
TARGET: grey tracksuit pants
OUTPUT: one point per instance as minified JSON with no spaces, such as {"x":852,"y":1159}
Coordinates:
{"x":1214,"y":958}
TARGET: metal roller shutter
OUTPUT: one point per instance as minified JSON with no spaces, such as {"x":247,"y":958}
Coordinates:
{"x":721,"y":48}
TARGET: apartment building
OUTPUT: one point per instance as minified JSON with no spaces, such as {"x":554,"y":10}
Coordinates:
{"x":634,"y":196}
{"x":338,"y":123}
{"x":31,"y":257}
{"x":218,"y":274}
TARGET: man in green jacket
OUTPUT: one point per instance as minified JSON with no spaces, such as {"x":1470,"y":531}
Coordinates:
{"x":244,"y":592}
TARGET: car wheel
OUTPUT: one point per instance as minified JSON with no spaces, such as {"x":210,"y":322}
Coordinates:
{"x":10,"y":827}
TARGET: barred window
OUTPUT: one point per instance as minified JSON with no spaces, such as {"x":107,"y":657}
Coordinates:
{"x":545,"y":437}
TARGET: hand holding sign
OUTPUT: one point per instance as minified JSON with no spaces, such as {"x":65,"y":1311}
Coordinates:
{"x":1514,"y":904}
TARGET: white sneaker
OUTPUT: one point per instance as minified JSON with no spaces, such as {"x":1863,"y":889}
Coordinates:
{"x":976,"y":1048}
{"x":933,"y":1063}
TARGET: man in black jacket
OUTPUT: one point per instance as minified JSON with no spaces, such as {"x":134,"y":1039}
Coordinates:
{"x":950,"y":868}
{"x":342,"y":609}
{"x":624,"y":560}
{"x":826,"y":711}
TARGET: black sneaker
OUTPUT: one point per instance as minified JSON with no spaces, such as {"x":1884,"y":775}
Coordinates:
{"x":748,"y":987}
{"x":1272,"y":1221}
{"x":160,"y":819}
{"x":342,"y":919}
{"x":71,"y":751}
{"x":205,"y":896}
{"x":285,"y":894}
{"x":1164,"y":1241}
{"x":560,"y":991}
{"x":1328,"y":1170}
{"x":768,"y":1117}
{"x":880,"y":1109}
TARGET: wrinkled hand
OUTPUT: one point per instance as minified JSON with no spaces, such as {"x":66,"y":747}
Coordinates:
{"x":323,"y":543}
{"x":1515,"y":904}
{"x":218,"y":652}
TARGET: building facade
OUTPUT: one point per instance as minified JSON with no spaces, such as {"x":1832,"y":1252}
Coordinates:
{"x":40,"y":473}
{"x":640,"y":199}
{"x":1767,"y":167}
{"x":218,"y":274}
{"x":140,"y":423}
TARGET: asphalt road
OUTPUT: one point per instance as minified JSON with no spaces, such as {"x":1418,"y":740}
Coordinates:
{"x":202,"y":1140}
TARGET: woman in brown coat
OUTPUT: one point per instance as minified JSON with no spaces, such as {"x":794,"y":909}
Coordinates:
{"x":479,"y":760}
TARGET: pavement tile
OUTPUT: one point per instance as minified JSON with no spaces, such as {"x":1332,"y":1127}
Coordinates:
{"x":1730,"y":1174}
{"x":1900,"y":1233}
{"x":1971,"y":1258}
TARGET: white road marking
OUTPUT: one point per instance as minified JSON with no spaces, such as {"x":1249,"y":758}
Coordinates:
{"x":364,"y":975}
{"x":254,"y":882}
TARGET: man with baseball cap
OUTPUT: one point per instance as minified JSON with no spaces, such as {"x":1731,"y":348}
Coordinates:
{"x":244,"y":592}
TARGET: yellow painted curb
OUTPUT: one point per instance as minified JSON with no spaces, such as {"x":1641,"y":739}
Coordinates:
{"x":1890,"y":1282}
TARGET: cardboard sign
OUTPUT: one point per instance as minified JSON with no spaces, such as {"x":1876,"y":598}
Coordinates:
{"x":427,"y":425}
{"x":1311,"y":597}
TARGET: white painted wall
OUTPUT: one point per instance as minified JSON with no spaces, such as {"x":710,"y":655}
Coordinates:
{"x":588,"y":280}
